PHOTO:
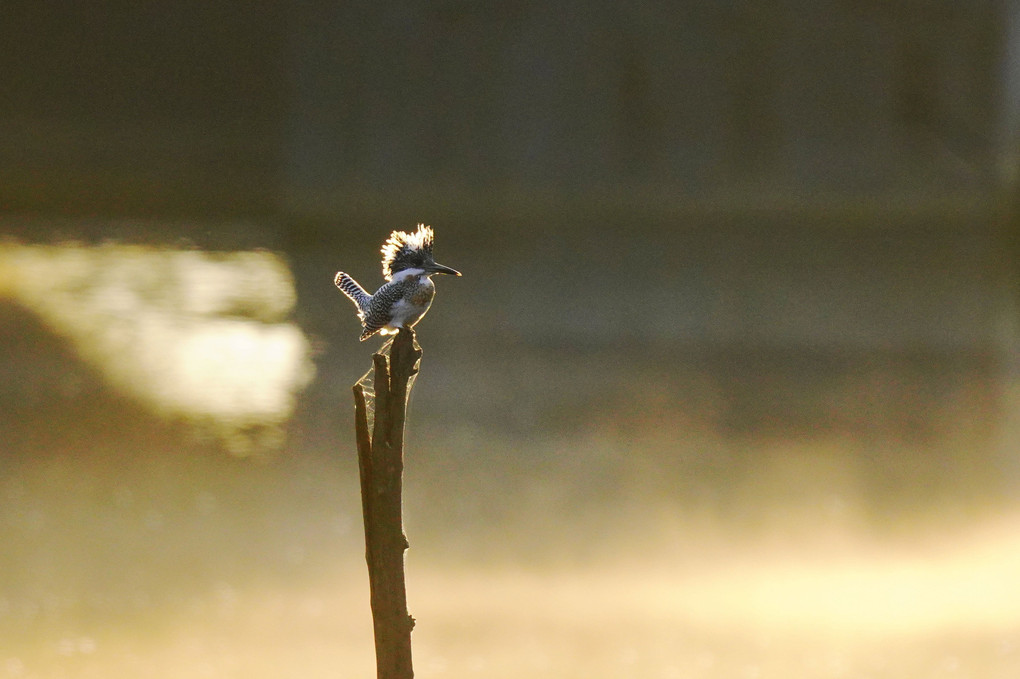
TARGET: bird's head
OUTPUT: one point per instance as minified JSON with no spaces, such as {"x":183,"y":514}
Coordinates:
{"x":411,"y":251}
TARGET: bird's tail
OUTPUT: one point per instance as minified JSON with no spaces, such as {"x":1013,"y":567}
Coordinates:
{"x":355,"y":292}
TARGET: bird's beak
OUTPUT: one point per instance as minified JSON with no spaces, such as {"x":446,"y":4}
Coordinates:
{"x":439,"y":268}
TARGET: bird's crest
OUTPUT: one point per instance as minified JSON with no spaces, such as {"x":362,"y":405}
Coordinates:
{"x":403,"y":250}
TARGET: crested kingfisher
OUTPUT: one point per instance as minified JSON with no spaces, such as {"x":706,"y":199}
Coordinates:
{"x":407,"y":264}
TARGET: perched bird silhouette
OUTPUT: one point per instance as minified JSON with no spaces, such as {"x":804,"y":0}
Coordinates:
{"x":401,"y":302}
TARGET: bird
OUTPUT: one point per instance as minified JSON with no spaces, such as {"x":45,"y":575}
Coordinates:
{"x":407,"y":265}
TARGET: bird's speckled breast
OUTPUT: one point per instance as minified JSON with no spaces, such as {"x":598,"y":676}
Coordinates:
{"x":422,"y":295}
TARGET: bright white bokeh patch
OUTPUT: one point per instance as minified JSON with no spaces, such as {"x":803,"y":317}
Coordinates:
{"x":195,"y":335}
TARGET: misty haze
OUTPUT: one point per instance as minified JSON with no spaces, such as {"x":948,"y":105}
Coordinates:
{"x":729,"y":387}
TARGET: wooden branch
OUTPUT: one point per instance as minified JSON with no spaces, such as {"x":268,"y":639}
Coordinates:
{"x":381,"y":464}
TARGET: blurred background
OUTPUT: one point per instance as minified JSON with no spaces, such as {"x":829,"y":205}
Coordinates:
{"x":730,"y":386}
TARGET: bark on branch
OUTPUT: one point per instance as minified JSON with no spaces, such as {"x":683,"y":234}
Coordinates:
{"x":381,"y":463}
